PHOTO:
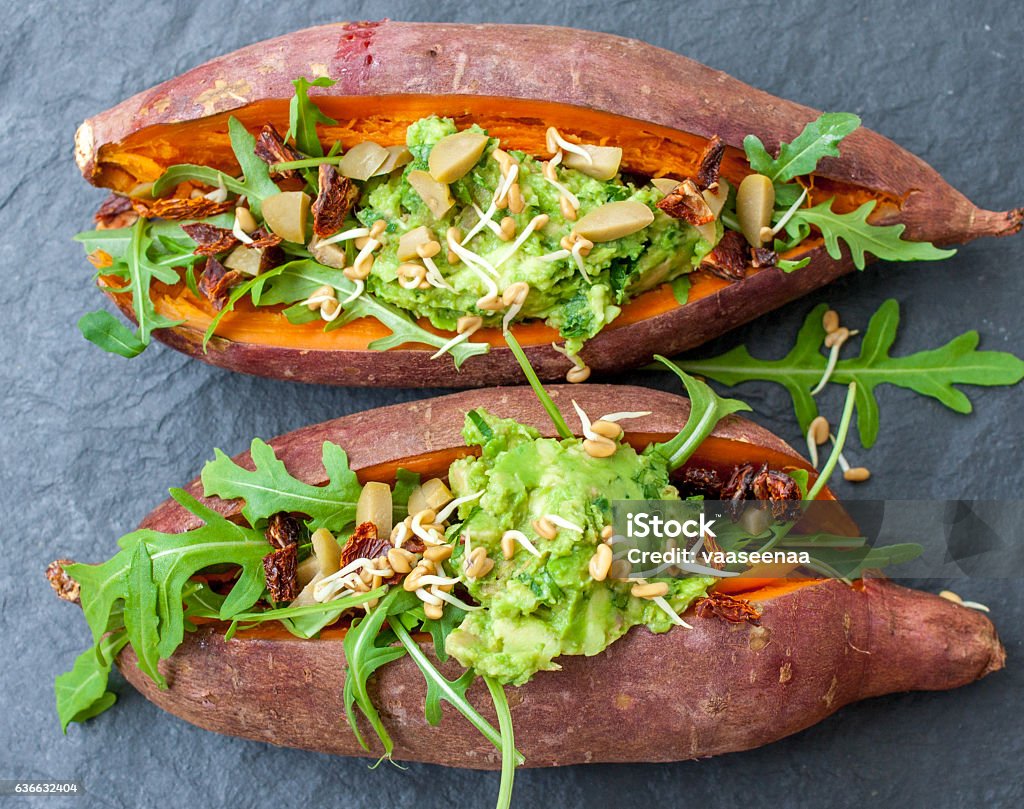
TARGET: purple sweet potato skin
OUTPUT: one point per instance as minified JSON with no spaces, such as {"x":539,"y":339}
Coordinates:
{"x":606,"y":73}
{"x":685,"y":694}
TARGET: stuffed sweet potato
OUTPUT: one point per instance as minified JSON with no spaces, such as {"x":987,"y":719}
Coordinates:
{"x":440,"y":183}
{"x":595,"y":668}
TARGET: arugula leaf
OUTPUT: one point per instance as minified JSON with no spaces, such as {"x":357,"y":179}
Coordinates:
{"x":140,"y":613}
{"x":298,"y":279}
{"x":256,"y":184}
{"x":306,"y":620}
{"x":531,"y":376}
{"x":508,"y":742}
{"x":104,"y":330}
{"x":681,"y":289}
{"x":271,"y":488}
{"x":451,"y":691}
{"x":362,"y":658}
{"x":405,"y":483}
{"x":707,"y":408}
{"x":882,"y":241}
{"x":304,"y":115}
{"x":82,"y":692}
{"x":932,"y":373}
{"x":820,"y":138}
{"x":175,"y":558}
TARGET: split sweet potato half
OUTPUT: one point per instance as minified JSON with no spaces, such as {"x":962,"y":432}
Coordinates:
{"x":515,"y":81}
{"x":718,"y":687}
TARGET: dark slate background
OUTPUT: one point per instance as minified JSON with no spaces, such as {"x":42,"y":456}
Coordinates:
{"x":90,"y":442}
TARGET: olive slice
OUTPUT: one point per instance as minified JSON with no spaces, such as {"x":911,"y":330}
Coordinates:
{"x":614,"y":220}
{"x":286,"y":214}
{"x":363,"y":160}
{"x":604,"y":161}
{"x":437,"y":196}
{"x":755,"y":201}
{"x":454,"y":155}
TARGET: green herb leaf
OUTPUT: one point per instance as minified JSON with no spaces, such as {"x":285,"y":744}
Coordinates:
{"x":304,"y":115}
{"x":140,"y":613}
{"x":297,"y":280}
{"x":681,"y":289}
{"x":881,"y":241}
{"x":305,"y":620}
{"x":531,"y":376}
{"x":255,"y":186}
{"x":175,"y":558}
{"x":405,"y":483}
{"x":820,"y":138}
{"x":362,"y":658}
{"x":104,"y":330}
{"x":707,"y":408}
{"x":508,"y":742}
{"x":82,"y":692}
{"x":270,"y":488}
{"x":932,"y":373}
{"x":451,"y":691}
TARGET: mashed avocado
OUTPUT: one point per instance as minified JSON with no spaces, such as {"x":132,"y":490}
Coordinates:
{"x":536,"y":609}
{"x":559,"y":294}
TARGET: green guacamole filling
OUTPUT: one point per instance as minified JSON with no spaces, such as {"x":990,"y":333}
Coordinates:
{"x":559,"y":294}
{"x":537,"y":608}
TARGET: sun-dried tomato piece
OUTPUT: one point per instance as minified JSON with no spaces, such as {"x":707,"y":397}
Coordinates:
{"x":180,"y":208}
{"x":261,"y":237}
{"x":210,"y":239}
{"x":271,"y":149}
{"x":63,"y":585}
{"x":780,"y":491}
{"x":686,"y":202}
{"x":762,"y":257}
{"x":215,"y":282}
{"x":280,"y":569}
{"x":728,"y":608}
{"x":728,"y":259}
{"x":700,"y":480}
{"x":364,"y":544}
{"x":337,"y":196}
{"x":115,"y":212}
{"x":738,"y":489}
{"x":282,"y":530}
{"x":710,"y":163}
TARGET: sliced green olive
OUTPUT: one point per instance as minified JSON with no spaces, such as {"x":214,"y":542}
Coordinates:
{"x":326,"y":551}
{"x":417,"y":501}
{"x":409,"y":242}
{"x":363,"y":160}
{"x":374,"y":506}
{"x":437,"y":196}
{"x":454,"y":155}
{"x":604,"y":161}
{"x":755,"y":201}
{"x":244,"y":259}
{"x":286,"y":214}
{"x":614,"y":220}
{"x":397,"y":156}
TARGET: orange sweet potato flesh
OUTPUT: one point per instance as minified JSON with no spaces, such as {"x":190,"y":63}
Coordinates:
{"x":660,"y":107}
{"x":685,"y":694}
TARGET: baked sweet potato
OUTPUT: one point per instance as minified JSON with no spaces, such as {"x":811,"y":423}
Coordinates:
{"x":689,"y":693}
{"x":659,"y":107}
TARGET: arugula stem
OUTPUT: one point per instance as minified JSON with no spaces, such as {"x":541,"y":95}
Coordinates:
{"x":307,"y":163}
{"x":538,"y":388}
{"x":833,"y":458}
{"x":508,"y":742}
{"x":434,"y":677}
